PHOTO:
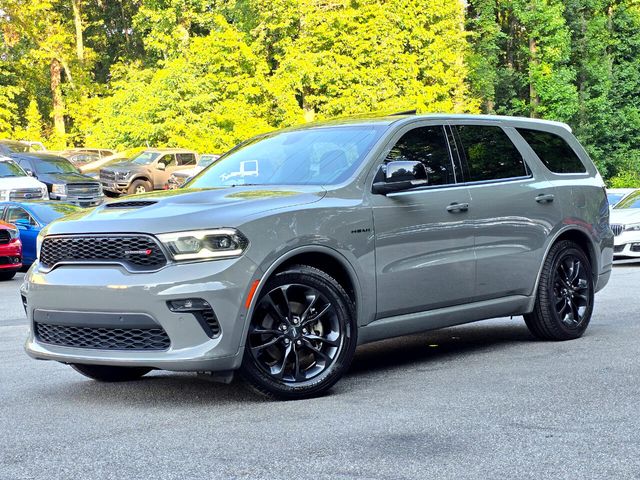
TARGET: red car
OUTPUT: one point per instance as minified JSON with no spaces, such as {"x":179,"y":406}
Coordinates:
{"x":10,"y":251}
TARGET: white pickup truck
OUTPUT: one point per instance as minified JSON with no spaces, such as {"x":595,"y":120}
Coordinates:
{"x":15,"y":184}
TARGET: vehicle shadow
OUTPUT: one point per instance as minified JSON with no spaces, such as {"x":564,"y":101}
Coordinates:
{"x":427,"y":351}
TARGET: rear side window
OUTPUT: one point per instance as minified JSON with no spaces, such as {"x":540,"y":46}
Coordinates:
{"x":429,"y":146}
{"x":489,"y":154}
{"x":186,"y":159}
{"x":554,"y":152}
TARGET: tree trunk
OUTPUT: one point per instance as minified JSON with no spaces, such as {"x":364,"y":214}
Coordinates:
{"x":56,"y":96}
{"x":533,"y":62}
{"x":77,"y":21}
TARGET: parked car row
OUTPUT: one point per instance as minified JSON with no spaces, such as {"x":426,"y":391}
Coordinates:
{"x":625,"y":222}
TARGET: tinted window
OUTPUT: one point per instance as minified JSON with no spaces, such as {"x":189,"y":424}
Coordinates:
{"x":554,"y":152}
{"x":489,"y":153}
{"x":632,"y":201}
{"x":186,"y":159}
{"x":429,"y":146}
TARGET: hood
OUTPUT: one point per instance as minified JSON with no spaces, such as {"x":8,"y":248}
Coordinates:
{"x":65,"y":178}
{"x":125,"y":167}
{"x":180,"y":210}
{"x":625,"y":216}
{"x":20,"y":182}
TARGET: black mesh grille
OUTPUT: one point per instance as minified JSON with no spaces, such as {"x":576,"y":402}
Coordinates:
{"x":131,"y":204}
{"x":9,"y":260}
{"x":103,"y":338}
{"x":4,"y":237}
{"x":635,"y":247}
{"x":617,"y":229}
{"x":107,"y":175}
{"x":137,"y":252}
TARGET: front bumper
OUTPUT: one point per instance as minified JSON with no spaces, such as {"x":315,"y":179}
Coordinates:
{"x":627,"y":244}
{"x":98,"y":290}
{"x":115,"y":187}
{"x":11,"y":256}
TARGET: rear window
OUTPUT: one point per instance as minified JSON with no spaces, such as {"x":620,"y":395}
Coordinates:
{"x":553,"y":150}
{"x":490,"y":154}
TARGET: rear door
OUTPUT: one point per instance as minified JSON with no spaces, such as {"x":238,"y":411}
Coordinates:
{"x":423,"y":243}
{"x":512,"y":209}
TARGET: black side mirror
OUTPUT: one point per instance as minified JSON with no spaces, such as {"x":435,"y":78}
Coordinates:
{"x":398,"y":176}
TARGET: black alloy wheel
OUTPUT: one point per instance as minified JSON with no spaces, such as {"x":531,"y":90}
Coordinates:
{"x":301,"y":337}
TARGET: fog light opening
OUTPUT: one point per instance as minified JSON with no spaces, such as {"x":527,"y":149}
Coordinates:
{"x":201,"y":310}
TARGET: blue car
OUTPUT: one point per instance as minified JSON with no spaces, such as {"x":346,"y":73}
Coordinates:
{"x":30,"y":218}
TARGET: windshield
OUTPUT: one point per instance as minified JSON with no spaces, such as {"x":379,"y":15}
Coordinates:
{"x":206,"y":160}
{"x":316,"y":156}
{"x":145,"y":158}
{"x":10,"y":169}
{"x":47,"y":213}
{"x":54,"y":165}
{"x":16,"y":147}
{"x":632,"y":201}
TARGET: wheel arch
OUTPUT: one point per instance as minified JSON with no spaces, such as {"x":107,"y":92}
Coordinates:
{"x":583,"y":240}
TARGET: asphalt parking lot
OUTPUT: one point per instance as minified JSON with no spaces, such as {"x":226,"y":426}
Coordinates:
{"x":477,"y":401}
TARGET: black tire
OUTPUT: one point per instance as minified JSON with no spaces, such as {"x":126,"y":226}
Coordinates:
{"x":293,"y":350}
{"x":7,"y":275}
{"x":564,"y":301}
{"x":137,"y":186}
{"x":107,"y":373}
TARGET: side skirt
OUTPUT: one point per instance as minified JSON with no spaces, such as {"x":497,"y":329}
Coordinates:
{"x":444,"y":317}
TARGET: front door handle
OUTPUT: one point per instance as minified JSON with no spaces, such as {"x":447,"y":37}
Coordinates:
{"x":457,"y":207}
{"x":545,"y":198}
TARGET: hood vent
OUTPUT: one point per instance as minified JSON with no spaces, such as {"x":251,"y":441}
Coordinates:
{"x":131,"y":204}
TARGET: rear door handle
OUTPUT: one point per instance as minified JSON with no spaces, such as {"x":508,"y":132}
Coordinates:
{"x":545,"y":198}
{"x":457,"y":207}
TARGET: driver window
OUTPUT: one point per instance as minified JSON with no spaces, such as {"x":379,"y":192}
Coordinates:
{"x":429,"y":146}
{"x":168,"y":161}
{"x":15,"y":213}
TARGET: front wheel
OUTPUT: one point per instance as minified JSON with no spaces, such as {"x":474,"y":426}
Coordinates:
{"x":108,"y":373}
{"x":139,"y":186}
{"x":564,"y":301}
{"x":302,"y":335}
{"x":7,"y":275}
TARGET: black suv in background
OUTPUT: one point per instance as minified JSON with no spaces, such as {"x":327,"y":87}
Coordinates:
{"x":63,"y":179}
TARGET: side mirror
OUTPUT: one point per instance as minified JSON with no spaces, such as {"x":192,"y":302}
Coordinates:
{"x":398,"y":176}
{"x":161,"y":166}
{"x":23,"y":223}
{"x":29,"y":172}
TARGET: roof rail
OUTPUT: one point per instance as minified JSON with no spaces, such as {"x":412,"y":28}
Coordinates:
{"x":406,"y":112}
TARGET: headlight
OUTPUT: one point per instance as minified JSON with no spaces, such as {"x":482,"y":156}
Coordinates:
{"x":13,"y":234}
{"x":59,"y":189}
{"x":39,"y":240}
{"x":122,"y":175}
{"x":44,"y":193}
{"x":4,"y":194}
{"x":205,"y":244}
{"x":632,"y":227}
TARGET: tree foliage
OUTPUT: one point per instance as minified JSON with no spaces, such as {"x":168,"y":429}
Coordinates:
{"x":207,"y":74}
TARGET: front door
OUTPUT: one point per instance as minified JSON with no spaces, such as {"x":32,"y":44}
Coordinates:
{"x":161,"y":177}
{"x":423,"y":238}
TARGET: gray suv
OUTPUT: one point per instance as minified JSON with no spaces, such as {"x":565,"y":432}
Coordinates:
{"x":297,"y":246}
{"x":147,"y":171}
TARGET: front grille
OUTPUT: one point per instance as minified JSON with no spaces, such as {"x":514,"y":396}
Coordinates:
{"x":617,"y":228}
{"x":103,"y":338}
{"x":84,"y":189}
{"x":618,"y":248}
{"x":136,"y":252}
{"x":107,"y":176}
{"x":4,"y":237}
{"x":131,"y":204}
{"x":25,"y":193}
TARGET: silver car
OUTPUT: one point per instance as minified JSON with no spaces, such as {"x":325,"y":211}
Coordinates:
{"x":299,"y":245}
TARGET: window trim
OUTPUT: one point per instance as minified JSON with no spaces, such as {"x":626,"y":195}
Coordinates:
{"x":463,"y":157}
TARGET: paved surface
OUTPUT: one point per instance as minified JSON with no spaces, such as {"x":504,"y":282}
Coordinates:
{"x":477,"y":401}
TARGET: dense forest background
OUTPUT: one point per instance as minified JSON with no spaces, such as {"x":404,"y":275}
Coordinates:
{"x":207,"y":74}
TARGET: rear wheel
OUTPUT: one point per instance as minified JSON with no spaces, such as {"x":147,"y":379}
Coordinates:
{"x":107,"y":373}
{"x":564,"y":300}
{"x":302,"y":335}
{"x":139,"y":186}
{"x":7,"y":275}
